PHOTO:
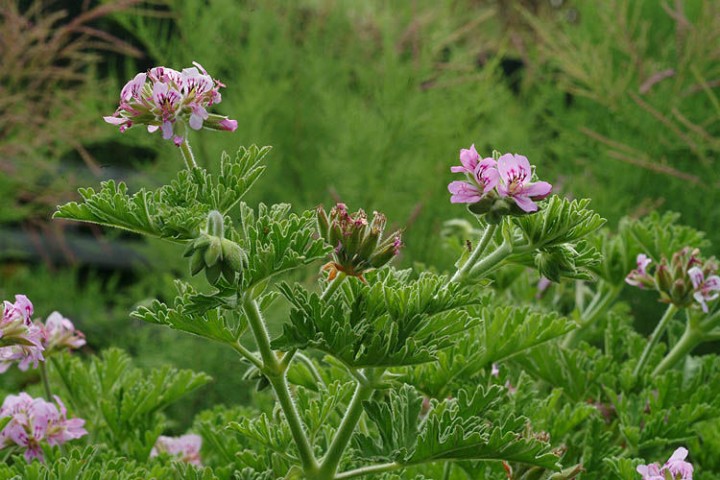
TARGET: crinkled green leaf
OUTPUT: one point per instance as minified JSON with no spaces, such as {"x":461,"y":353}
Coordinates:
{"x":175,"y":211}
{"x":209,"y":316}
{"x":502,"y":333}
{"x":388,"y":322}
{"x":275,"y":241}
{"x":559,"y":221}
{"x":660,"y":236}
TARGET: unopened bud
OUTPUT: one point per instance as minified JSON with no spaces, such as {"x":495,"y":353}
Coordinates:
{"x":197,"y":262}
{"x":323,"y":223}
{"x":212,"y":274}
{"x":663,"y":278}
{"x":234,"y":256}
{"x":213,"y":253}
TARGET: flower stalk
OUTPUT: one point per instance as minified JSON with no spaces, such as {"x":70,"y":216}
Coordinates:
{"x":654,"y":338}
{"x":332,"y":459}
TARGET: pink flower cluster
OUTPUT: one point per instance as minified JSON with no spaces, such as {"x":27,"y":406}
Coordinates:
{"x":33,"y":420}
{"x":28,"y":343}
{"x":509,"y":176}
{"x":684,"y":279}
{"x":186,"y":447}
{"x":676,"y":466}
{"x":169,"y":100}
{"x":20,"y":339}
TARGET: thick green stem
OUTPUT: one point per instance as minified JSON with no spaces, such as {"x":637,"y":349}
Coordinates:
{"x":276,"y":375}
{"x":462,"y":272}
{"x":690,"y":339}
{"x":654,"y":338}
{"x":187,"y":155}
{"x":345,"y":431}
{"x":487,"y":263}
{"x":360,"y":472}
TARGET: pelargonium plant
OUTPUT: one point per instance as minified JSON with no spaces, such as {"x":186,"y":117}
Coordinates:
{"x":523,"y":362}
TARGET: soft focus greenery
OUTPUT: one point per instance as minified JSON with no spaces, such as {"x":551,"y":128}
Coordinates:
{"x":363,"y":102}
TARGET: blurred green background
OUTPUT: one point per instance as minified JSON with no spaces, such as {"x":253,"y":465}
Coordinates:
{"x":363,"y":102}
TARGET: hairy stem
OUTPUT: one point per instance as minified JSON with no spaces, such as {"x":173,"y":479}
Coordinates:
{"x":187,"y":155}
{"x":277,"y":377}
{"x":657,"y":333}
{"x":485,"y":265}
{"x":463,"y":271}
{"x":332,"y":286}
{"x":330,"y":463}
{"x":247,"y":354}
{"x":690,"y":339}
{"x":360,"y":472}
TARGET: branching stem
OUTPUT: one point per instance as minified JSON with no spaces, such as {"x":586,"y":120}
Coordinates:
{"x":463,"y":271}
{"x":332,"y":459}
{"x":361,"y":472}
{"x":276,"y":375}
{"x":654,"y":338}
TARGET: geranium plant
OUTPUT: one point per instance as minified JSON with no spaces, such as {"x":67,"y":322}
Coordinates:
{"x":522,"y":363}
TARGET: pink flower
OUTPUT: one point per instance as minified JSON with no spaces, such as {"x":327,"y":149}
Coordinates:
{"x":20,"y":340}
{"x":706,"y":289}
{"x":482,"y":176}
{"x":171,"y":101}
{"x":677,"y":465}
{"x":515,"y":175}
{"x":639,"y":277}
{"x":650,"y":472}
{"x":59,"y":333}
{"x":186,"y":447}
{"x":34,"y":420}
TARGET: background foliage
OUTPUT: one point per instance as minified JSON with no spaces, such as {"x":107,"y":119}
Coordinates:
{"x":363,"y":102}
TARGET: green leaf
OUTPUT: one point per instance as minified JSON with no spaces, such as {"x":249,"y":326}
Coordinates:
{"x":559,"y":221}
{"x":210,"y":316}
{"x":121,"y":403}
{"x":502,"y":333}
{"x":175,"y":211}
{"x":472,"y":426}
{"x":660,"y":236}
{"x":276,"y":241}
{"x":388,"y":322}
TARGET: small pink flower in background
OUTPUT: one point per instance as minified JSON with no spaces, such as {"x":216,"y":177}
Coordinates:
{"x":706,"y":289}
{"x":515,"y":175}
{"x":677,"y":465}
{"x":59,"y":333}
{"x":186,"y":447}
{"x":639,"y":277}
{"x":20,"y":340}
{"x":650,"y":472}
{"x":34,"y":420}
{"x":495,"y":370}
{"x":171,"y":101}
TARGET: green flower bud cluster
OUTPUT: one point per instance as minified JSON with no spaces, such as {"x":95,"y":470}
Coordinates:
{"x":359,"y":246}
{"x":215,"y":254}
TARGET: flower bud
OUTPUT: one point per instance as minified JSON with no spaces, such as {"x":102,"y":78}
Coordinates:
{"x":323,"y":223}
{"x":213,"y":253}
{"x":234,"y":256}
{"x":663,"y":278}
{"x":212,"y":274}
{"x":197,"y":262}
